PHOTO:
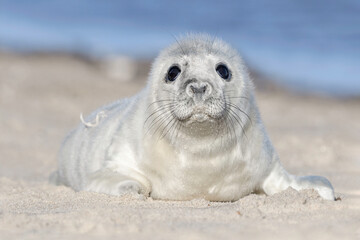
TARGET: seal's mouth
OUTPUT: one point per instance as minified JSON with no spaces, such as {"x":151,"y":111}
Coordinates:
{"x":199,"y":117}
{"x":199,"y":112}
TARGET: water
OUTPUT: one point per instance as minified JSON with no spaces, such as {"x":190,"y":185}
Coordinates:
{"x":308,"y":45}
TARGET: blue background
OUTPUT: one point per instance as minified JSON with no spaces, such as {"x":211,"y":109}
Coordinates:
{"x":304,"y":44}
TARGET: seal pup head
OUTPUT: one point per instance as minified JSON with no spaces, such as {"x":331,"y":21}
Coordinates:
{"x":199,"y":87}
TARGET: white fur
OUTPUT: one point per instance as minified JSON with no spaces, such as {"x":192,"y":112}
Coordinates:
{"x":141,"y":146}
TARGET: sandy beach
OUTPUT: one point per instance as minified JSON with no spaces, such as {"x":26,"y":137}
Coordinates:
{"x":41,"y":98}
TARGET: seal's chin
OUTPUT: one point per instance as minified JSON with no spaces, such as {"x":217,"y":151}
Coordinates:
{"x":200,"y":117}
{"x":200,"y":124}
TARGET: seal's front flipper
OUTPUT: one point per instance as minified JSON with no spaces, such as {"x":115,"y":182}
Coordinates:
{"x":279,"y":179}
{"x":114,"y":183}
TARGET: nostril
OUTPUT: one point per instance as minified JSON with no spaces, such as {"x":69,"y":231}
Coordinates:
{"x":203,"y":89}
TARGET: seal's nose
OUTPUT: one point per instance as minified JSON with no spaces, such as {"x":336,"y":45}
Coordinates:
{"x":198,"y":90}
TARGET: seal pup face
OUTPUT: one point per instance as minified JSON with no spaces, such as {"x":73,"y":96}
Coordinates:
{"x":199,"y":85}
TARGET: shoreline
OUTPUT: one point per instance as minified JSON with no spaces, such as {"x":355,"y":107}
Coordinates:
{"x":107,"y":63}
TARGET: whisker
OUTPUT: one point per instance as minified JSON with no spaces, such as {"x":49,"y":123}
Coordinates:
{"x":158,"y":118}
{"x":232,"y":126}
{"x":165,"y":90}
{"x":157,"y":121}
{"x":227,"y":126}
{"x":178,"y":128}
{"x":173,"y":121}
{"x":158,"y":110}
{"x":179,"y":44}
{"x":162,"y":122}
{"x":238,"y":97}
{"x":242,"y":111}
{"x":157,"y":101}
{"x":225,"y":121}
{"x":238,"y":119}
{"x":173,"y":128}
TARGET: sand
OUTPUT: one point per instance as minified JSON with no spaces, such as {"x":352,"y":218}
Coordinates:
{"x":41,"y":97}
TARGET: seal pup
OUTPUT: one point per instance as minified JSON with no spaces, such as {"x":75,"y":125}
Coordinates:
{"x":194,"y":131}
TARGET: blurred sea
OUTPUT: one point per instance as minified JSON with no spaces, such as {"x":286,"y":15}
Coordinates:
{"x":307,"y":45}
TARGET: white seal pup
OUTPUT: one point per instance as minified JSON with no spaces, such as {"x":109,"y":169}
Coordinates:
{"x":194,"y":131}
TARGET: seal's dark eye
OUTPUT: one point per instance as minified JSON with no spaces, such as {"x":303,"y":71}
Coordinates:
{"x":223,"y":72}
{"x":173,"y":73}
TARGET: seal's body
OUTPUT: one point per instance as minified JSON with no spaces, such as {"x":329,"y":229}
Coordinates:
{"x":193,"y":132}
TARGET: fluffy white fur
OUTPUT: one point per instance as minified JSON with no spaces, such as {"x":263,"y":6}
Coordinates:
{"x":169,"y":143}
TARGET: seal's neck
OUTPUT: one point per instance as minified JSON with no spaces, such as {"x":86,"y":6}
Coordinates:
{"x":202,"y":142}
